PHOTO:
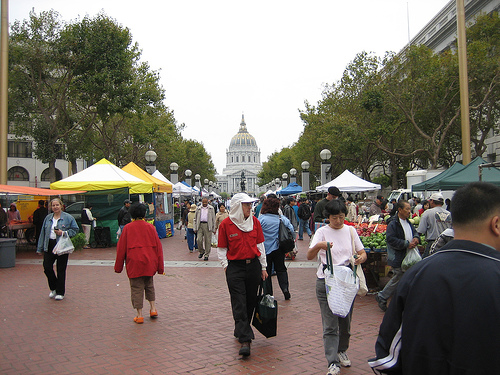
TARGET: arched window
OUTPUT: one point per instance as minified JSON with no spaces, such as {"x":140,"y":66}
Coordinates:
{"x":18,"y":174}
{"x":45,"y":175}
{"x":237,"y":159}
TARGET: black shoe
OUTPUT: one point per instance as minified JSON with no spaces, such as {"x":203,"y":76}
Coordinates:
{"x":301,"y":239}
{"x":205,"y":259}
{"x":287,"y":295}
{"x":245,"y":349}
{"x":381,"y":303}
{"x":200,"y":256}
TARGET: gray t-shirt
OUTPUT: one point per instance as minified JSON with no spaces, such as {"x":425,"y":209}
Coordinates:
{"x":433,"y":222}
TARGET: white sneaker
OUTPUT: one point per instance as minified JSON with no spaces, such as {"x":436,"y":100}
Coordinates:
{"x":59,"y":297}
{"x":52,"y":294}
{"x":333,"y":369}
{"x":344,"y":359}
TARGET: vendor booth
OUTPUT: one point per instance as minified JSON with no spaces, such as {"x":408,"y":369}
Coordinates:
{"x":105,"y":177}
{"x":349,"y":182}
{"x":161,"y":198}
{"x":292,"y":188}
{"x":24,"y":196}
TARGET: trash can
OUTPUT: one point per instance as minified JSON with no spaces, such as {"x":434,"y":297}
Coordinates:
{"x":7,"y":252}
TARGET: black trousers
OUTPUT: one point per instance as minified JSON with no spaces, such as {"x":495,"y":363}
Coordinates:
{"x":277,"y":258}
{"x":243,"y":280}
{"x":57,"y":283}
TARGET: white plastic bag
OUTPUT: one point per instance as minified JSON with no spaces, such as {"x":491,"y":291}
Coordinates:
{"x":64,"y":245}
{"x":341,"y":288}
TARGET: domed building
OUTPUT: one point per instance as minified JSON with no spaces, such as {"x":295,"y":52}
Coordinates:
{"x":242,"y":163}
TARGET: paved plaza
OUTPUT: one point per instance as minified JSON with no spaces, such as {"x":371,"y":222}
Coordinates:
{"x":91,"y":331}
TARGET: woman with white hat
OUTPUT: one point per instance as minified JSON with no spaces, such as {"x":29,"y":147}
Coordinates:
{"x":243,"y":256}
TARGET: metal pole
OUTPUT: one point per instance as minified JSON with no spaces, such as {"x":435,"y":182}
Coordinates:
{"x":4,"y":84}
{"x":464,"y":84}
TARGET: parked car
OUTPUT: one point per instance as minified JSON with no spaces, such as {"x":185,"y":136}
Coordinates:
{"x":75,"y":210}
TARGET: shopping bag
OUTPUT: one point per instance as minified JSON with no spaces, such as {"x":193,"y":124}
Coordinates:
{"x":265,"y":317}
{"x":214,"y":240}
{"x":358,"y":269}
{"x":286,"y":238}
{"x":412,"y":257}
{"x":64,"y":245}
{"x":341,"y":286}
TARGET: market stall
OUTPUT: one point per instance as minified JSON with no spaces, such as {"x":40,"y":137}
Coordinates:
{"x":161,"y":200}
{"x":292,"y":188}
{"x":105,"y":177}
{"x":349,"y":182}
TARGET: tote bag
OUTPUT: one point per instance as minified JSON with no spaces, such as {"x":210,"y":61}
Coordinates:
{"x":341,"y":286}
{"x":358,"y":269}
{"x":286,"y":238}
{"x":265,"y":317}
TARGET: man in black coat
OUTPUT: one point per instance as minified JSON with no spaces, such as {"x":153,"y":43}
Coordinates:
{"x":401,"y":235}
{"x":38,"y":217}
{"x":443,"y":318}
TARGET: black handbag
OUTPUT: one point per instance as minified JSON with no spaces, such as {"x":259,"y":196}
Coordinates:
{"x":265,"y":316}
{"x":286,"y":238}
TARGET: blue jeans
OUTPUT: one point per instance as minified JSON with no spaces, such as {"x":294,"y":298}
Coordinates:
{"x":304,"y":224}
{"x":191,"y":239}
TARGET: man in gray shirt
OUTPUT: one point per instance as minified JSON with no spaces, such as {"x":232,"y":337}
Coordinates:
{"x":434,"y":221}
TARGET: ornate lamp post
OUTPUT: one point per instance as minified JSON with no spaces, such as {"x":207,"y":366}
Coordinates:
{"x":174,"y":176}
{"x":188,"y":174}
{"x":205,"y":184}
{"x":197,"y":181}
{"x":277,"y":183}
{"x":284,"y":178}
{"x":326,"y":167}
{"x":293,"y":175}
{"x":150,"y":161}
{"x":305,"y":175}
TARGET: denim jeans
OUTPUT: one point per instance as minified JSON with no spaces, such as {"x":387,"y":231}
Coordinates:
{"x":304,"y":224}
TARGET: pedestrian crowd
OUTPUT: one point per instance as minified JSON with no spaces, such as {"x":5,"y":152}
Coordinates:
{"x":447,"y":302}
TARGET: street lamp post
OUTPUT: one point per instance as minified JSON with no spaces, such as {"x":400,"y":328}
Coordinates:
{"x":174,"y":176}
{"x":188,"y":174}
{"x":197,"y":182}
{"x":305,"y":175}
{"x":205,"y":184}
{"x":277,"y":183}
{"x":293,"y":175}
{"x":284,"y":178}
{"x":326,"y":167}
{"x":150,"y":161}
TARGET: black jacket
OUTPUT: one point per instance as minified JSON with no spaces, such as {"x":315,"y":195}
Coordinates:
{"x":444,"y":316}
{"x":124,"y":216}
{"x":396,"y":242}
{"x":304,"y":212}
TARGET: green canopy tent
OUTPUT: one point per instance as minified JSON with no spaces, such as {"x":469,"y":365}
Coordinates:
{"x":432,"y":184}
{"x":470,"y":173}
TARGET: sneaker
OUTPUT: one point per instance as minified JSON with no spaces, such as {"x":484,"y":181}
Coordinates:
{"x":333,"y":369}
{"x":205,"y":259}
{"x":59,"y":297}
{"x":381,"y":303}
{"x":52,"y":294}
{"x":344,"y":359}
{"x":200,"y":256}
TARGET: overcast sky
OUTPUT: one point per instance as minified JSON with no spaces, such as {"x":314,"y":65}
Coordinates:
{"x":220,"y":59}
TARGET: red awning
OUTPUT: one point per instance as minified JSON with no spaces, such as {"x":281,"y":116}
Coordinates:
{"x":26,"y":190}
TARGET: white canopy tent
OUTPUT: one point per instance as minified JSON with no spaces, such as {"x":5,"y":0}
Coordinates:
{"x":182,"y":189}
{"x":159,"y":176}
{"x":349,"y":182}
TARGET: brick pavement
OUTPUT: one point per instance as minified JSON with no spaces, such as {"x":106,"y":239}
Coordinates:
{"x":91,"y":331}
